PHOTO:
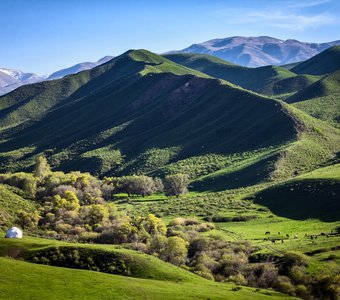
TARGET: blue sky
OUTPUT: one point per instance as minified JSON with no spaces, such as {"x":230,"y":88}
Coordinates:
{"x":42,"y":36}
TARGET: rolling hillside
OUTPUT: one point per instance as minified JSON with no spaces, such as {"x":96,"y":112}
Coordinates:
{"x":321,"y":99}
{"x":260,"y":80}
{"x":321,"y":91}
{"x":268,"y":80}
{"x":326,"y":86}
{"x":151,"y":277}
{"x":326,"y":62}
{"x":143,"y":102}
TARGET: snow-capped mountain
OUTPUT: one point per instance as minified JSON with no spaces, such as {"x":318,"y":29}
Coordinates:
{"x":259,"y":51}
{"x":11,"y":79}
{"x":78,"y":67}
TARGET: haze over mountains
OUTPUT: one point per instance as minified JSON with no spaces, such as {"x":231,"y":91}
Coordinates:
{"x":259,"y":51}
{"x":78,"y":67}
{"x":11,"y":79}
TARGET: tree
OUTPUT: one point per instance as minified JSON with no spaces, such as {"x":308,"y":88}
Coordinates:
{"x":177,"y":184}
{"x":96,"y":214}
{"x":139,"y":185}
{"x":176,"y":250}
{"x":72,"y":201}
{"x":28,"y":219}
{"x":41,"y":168}
{"x":159,"y":186}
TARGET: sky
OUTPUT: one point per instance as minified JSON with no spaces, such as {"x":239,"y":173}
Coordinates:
{"x":42,"y":36}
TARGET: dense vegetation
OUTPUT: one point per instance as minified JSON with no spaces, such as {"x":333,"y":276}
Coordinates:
{"x":77,"y":206}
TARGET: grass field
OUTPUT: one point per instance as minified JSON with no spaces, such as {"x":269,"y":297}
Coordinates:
{"x":47,"y":282}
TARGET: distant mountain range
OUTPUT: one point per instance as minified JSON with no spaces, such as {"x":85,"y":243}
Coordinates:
{"x":11,"y":79}
{"x":259,"y":51}
{"x":78,"y":67}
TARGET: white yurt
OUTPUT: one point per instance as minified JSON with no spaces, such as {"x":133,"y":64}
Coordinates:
{"x":14,"y":233}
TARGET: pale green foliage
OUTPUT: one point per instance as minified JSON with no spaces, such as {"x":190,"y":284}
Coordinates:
{"x":27,"y":219}
{"x":41,"y":168}
{"x":176,"y":184}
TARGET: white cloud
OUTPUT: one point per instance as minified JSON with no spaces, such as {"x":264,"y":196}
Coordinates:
{"x":288,"y":14}
{"x":304,"y":4}
{"x":284,"y":19}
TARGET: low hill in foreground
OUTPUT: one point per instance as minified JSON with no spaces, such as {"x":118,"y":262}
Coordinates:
{"x":82,"y":284}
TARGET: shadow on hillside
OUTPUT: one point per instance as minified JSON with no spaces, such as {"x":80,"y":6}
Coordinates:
{"x":304,"y":199}
{"x":246,"y":176}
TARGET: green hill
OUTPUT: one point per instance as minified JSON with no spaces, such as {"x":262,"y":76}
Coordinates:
{"x":325,"y":62}
{"x":59,"y":283}
{"x":143,"y":104}
{"x":151,"y":278}
{"x":321,"y":99}
{"x":326,"y":108}
{"x":312,"y":195}
{"x":261,"y":80}
{"x":326,"y":86}
{"x":293,"y":84}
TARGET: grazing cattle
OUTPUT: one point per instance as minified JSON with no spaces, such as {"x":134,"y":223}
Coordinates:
{"x":287,"y":235}
{"x":279,"y":233}
{"x":322,"y":234}
{"x":282,"y":241}
{"x":267,"y":232}
{"x":265,"y":239}
{"x":295,"y":236}
{"x":273,"y":241}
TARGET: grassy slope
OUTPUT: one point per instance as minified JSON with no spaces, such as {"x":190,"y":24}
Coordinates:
{"x":60,"y":283}
{"x":140,"y":265}
{"x":326,"y":108}
{"x":326,"y":86}
{"x":324,"y":63}
{"x":317,"y":145}
{"x":312,"y":195}
{"x":10,"y":204}
{"x":263,"y":80}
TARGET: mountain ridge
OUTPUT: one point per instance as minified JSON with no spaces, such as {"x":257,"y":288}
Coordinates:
{"x":259,"y":51}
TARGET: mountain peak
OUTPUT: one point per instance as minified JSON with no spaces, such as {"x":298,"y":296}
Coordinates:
{"x":259,"y":51}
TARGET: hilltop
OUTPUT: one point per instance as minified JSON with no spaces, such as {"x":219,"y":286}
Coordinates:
{"x":326,"y":62}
